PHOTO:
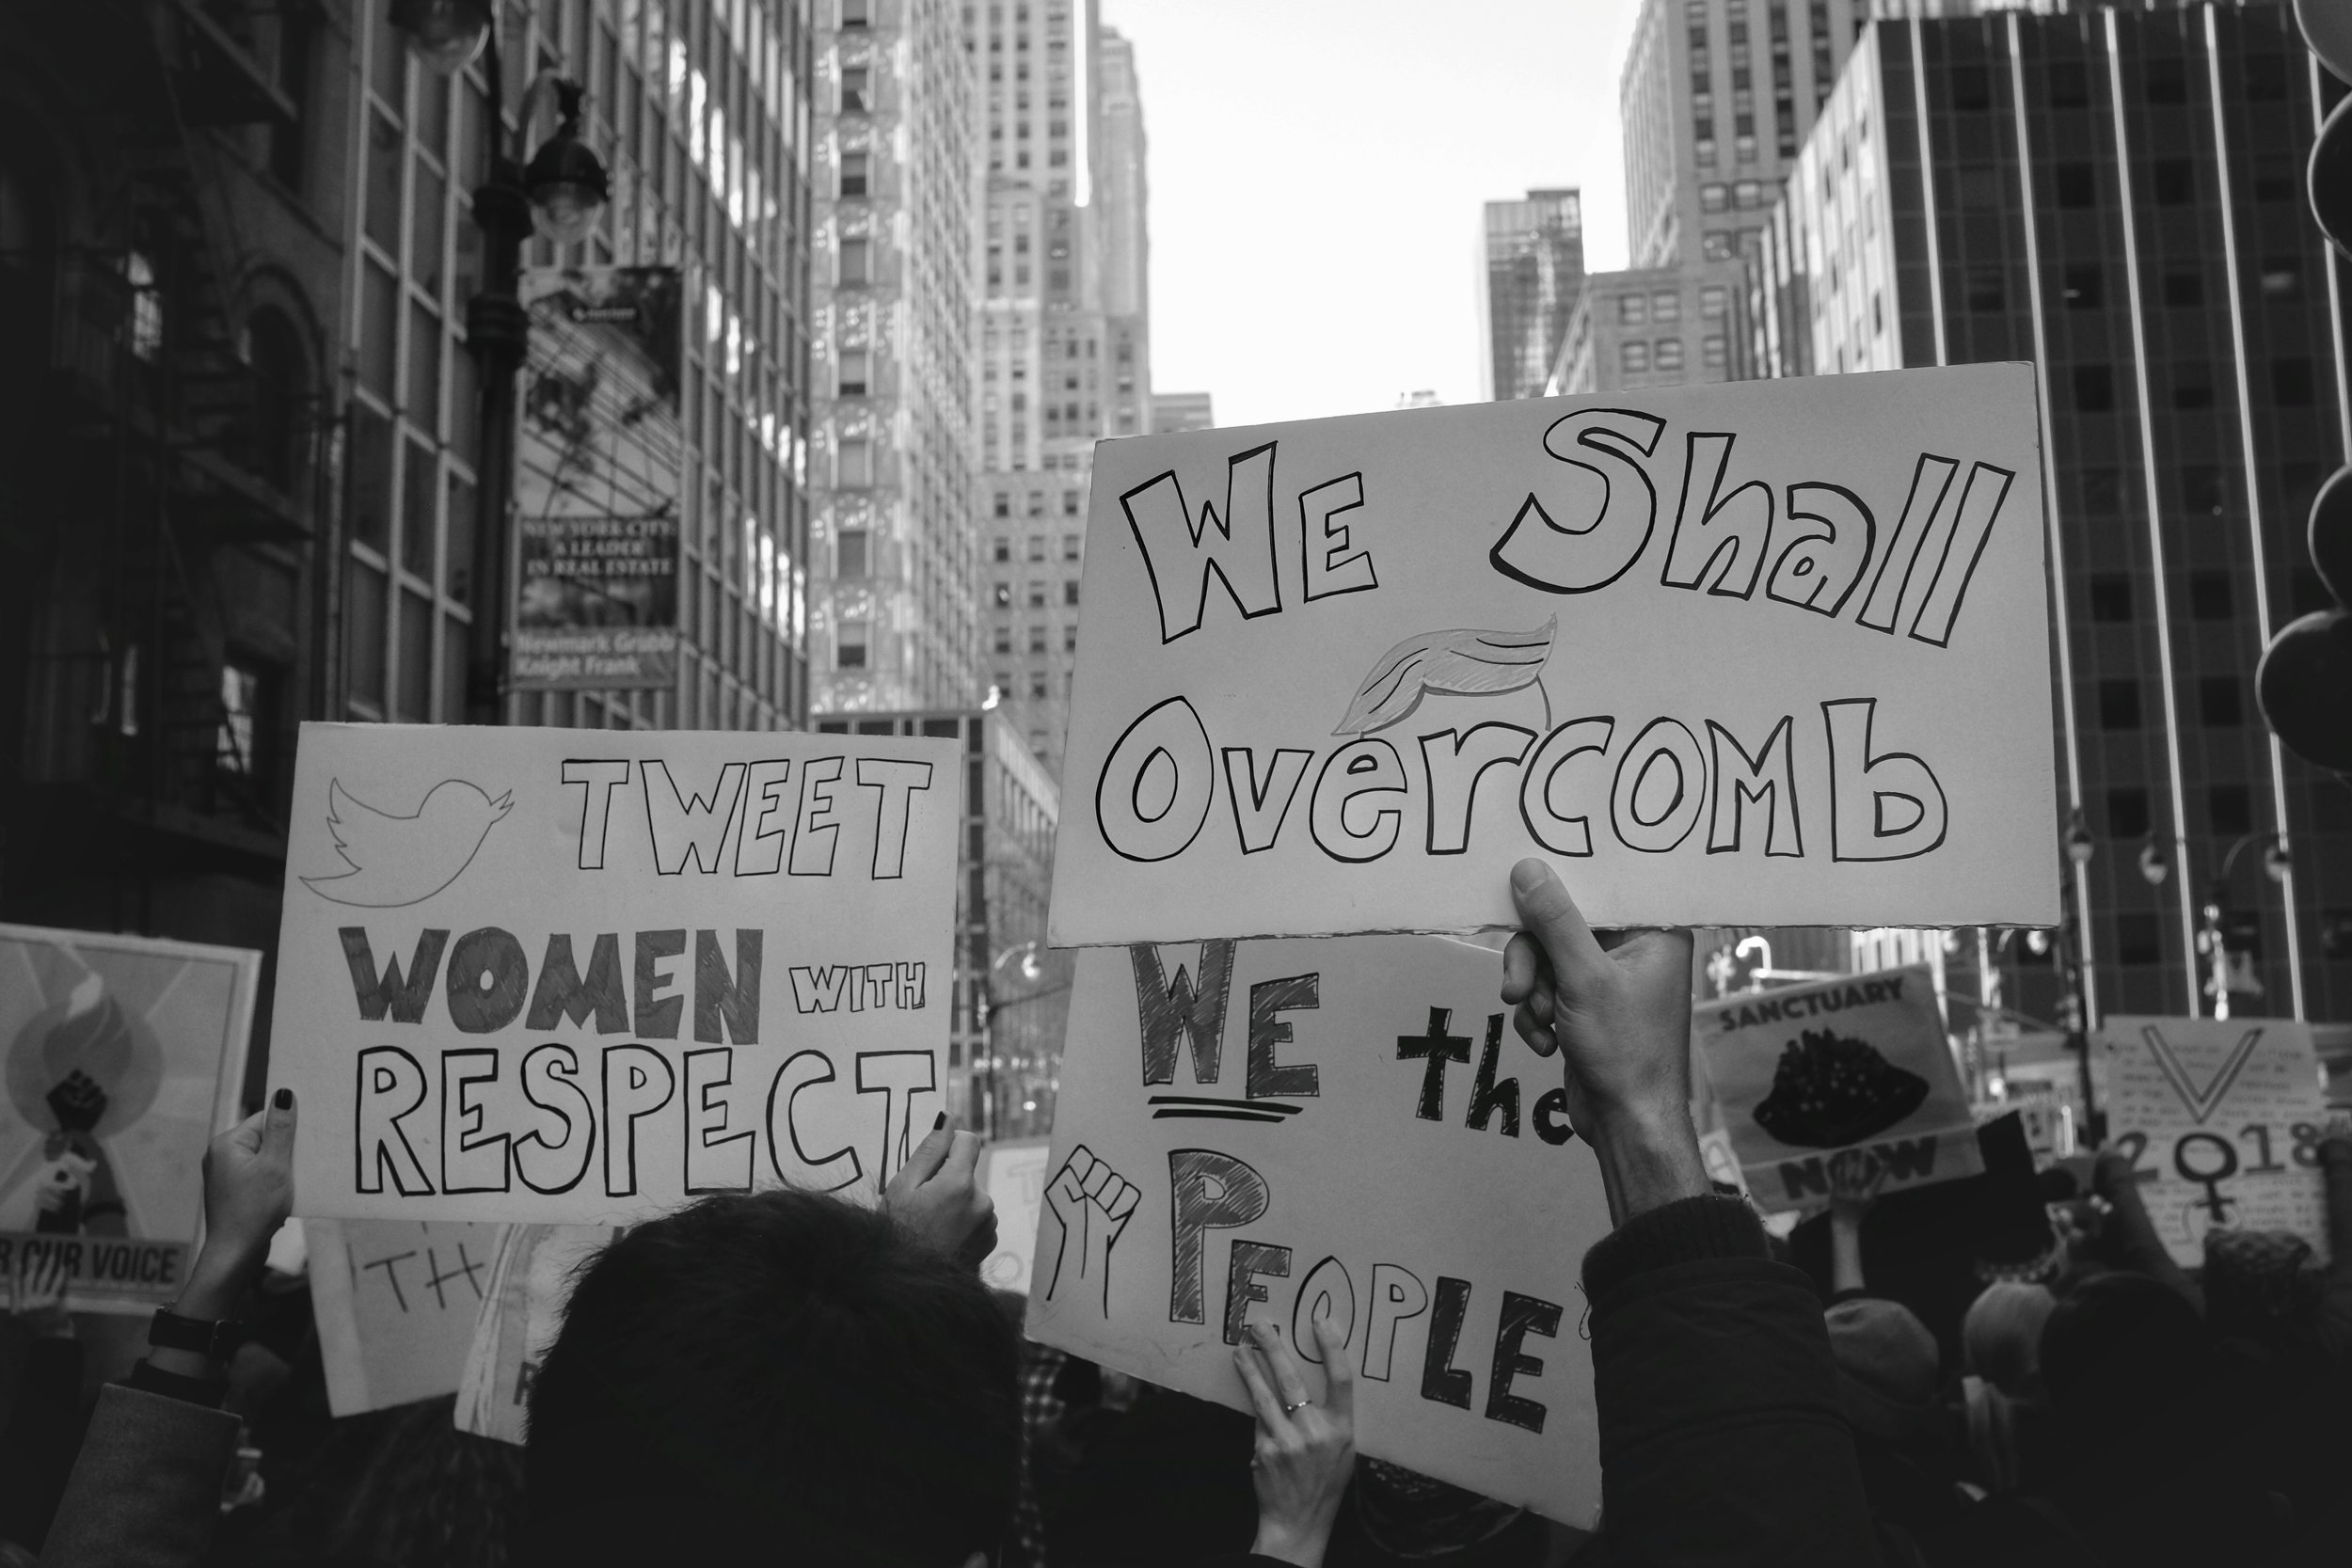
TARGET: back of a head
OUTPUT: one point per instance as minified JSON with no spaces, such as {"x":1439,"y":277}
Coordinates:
{"x":2001,"y":1335}
{"x":773,"y":1378}
{"x":2260,"y":1284}
{"x":1886,"y":1368}
{"x":2120,"y":1347}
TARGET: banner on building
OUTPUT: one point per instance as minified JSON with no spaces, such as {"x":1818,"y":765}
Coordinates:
{"x":1013,"y":1174}
{"x":1287,"y":1131}
{"x":1764,"y":654}
{"x":598,"y":477}
{"x":2222,"y":1119}
{"x":1851,"y":1074}
{"x":396,"y":1302}
{"x":125,"y":1055}
{"x":580,"y":975}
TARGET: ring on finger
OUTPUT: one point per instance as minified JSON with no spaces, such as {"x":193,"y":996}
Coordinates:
{"x":1292,"y":1407}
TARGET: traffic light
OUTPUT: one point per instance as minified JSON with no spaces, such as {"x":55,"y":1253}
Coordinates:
{"x":2304,"y":683}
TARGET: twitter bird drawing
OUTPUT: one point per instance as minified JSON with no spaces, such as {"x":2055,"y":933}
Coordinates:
{"x":397,"y":860}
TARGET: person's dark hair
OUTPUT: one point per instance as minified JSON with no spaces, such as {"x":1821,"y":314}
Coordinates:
{"x":778,"y":1378}
{"x":2120,"y":1347}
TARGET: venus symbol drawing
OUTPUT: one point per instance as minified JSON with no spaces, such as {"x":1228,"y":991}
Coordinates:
{"x":398,"y":860}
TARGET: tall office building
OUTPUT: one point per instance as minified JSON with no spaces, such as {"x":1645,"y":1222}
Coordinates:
{"x":696,"y":112}
{"x":893,"y":617}
{"x":1123,"y":207}
{"x":1531,"y":268}
{"x":1175,"y":412}
{"x":1065,"y":340}
{"x":240,"y":432}
{"x":2117,"y":196}
{"x":172,"y":234}
{"x":1716,"y":98}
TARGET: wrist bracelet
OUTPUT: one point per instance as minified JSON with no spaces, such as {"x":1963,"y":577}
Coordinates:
{"x":215,"y":1338}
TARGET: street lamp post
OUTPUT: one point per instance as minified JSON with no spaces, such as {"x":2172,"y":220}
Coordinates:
{"x":2073,"y":955}
{"x":560,"y":190}
{"x":2213,"y":938}
{"x":1028,"y":953}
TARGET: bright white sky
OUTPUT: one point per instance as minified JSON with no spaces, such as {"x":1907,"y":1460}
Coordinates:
{"x":1317,"y":168}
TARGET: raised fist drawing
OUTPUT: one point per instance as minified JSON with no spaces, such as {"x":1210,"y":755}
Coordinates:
{"x":1093,"y":1203}
{"x":77,"y":1102}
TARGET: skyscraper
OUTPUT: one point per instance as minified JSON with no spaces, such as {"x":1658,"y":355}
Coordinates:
{"x":894,"y":599}
{"x":696,"y":114}
{"x":1065,"y":340}
{"x":1122,"y":199}
{"x":1532,"y":265}
{"x":1716,"y":98}
{"x":2117,"y":196}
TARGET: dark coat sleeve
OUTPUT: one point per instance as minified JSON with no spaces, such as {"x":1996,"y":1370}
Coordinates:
{"x":1721,"y":1437}
{"x":146,"y":1490}
{"x":43,"y":1432}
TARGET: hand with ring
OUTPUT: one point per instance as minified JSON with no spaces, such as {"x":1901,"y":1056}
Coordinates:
{"x":1306,"y":1449}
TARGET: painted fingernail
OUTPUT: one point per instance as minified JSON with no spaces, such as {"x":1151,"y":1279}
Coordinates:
{"x":939,"y":1121}
{"x":285,"y":1100}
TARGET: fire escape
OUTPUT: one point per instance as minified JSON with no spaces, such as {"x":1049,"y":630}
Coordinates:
{"x":157,"y":425}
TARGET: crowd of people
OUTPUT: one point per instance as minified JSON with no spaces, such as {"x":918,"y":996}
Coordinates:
{"x":2006,"y":1369}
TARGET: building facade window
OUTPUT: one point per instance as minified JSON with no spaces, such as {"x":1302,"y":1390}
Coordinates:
{"x":850,"y":553}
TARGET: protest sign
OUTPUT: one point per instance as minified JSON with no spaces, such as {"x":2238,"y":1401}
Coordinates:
{"x":396,"y":1302}
{"x":596,"y":477}
{"x":529,"y":1282}
{"x":1013,"y":1176}
{"x":1287,"y":1131}
{"x":124,"y":1056}
{"x":1765,"y":654}
{"x":1850,"y":1072}
{"x":2222,"y":1119}
{"x":580,"y":975}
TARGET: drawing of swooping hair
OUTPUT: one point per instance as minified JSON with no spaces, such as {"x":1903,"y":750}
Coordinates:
{"x":1461,"y":663}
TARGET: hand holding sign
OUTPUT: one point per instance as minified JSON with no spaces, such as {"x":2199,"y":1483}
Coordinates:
{"x":1306,"y":1451}
{"x":249,"y":1185}
{"x":37,"y":1295}
{"x":936,"y":1196}
{"x":1093,"y":1204}
{"x":1623,"y":1015}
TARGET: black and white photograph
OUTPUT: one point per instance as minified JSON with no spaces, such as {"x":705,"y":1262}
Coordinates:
{"x":1176,"y":784}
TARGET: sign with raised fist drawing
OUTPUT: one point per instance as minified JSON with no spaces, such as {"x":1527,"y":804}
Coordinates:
{"x":578,"y":977}
{"x":1763,"y":654}
{"x":1848,"y":1073}
{"x":123,"y":1056}
{"x":1346,"y":1129}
